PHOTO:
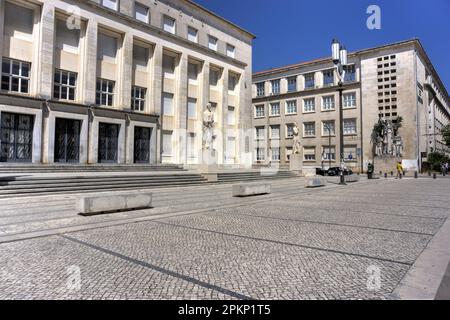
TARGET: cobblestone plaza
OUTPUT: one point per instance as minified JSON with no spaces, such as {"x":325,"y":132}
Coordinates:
{"x":295,"y":243}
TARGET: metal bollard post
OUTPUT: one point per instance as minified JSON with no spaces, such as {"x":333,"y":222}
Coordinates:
{"x":392,"y":173}
{"x":385,"y":175}
{"x":416,"y":174}
{"x":434,"y":175}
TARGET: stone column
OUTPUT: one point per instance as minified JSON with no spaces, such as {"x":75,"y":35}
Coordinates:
{"x":45,"y":51}
{"x":180,"y":104}
{"x":125,"y":71}
{"x":2,"y":21}
{"x":203,"y":100}
{"x":155,"y":93}
{"x":222,"y":143}
{"x":89,"y":63}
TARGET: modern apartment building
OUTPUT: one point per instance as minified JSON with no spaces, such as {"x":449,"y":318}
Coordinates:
{"x":121,"y":81}
{"x":395,"y":80}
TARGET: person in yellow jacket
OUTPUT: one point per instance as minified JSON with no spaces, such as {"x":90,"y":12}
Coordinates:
{"x":400,"y":171}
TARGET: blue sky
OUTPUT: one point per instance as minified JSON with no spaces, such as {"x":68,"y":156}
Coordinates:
{"x":291,"y":31}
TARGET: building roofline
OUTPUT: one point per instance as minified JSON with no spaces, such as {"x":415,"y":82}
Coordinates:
{"x":219,"y":17}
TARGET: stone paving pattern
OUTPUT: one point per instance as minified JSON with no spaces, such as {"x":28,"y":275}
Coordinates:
{"x":295,"y":243}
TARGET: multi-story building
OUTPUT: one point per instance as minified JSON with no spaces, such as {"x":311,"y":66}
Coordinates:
{"x":121,"y":81}
{"x":395,"y":80}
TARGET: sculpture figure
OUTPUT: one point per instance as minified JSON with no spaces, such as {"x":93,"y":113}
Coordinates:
{"x":208,"y":127}
{"x":296,"y":139}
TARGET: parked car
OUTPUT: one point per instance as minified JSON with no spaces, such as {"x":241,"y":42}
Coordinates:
{"x":336,"y":171}
{"x":321,"y":172}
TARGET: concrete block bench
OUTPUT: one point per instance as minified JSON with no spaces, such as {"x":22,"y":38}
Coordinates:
{"x":112,"y":202}
{"x":351,"y":178}
{"x":250,"y":189}
{"x":314,"y":182}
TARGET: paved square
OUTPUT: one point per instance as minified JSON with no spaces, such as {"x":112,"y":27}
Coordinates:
{"x":201,"y":243}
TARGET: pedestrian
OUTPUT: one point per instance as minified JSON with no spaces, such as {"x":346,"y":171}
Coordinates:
{"x":399,"y":170}
{"x":446,"y":168}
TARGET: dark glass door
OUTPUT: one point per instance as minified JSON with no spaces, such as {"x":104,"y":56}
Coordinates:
{"x":108,"y":137}
{"x":16,"y":137}
{"x":142,"y":144}
{"x":67,"y":140}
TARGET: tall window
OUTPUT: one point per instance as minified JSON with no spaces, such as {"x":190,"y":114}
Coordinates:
{"x":292,"y":84}
{"x":141,"y":12}
{"x":275,"y":109}
{"x":260,"y":90}
{"x":328,"y":103}
{"x":168,"y":66}
{"x":350,"y":153}
{"x":192,"y":71}
{"x":309,"y":105}
{"x":169,"y":24}
{"x":260,"y":154}
{"x":214,"y":76}
{"x":309,"y":129}
{"x":232,"y":82}
{"x":328,"y":77}
{"x":349,"y":126}
{"x":212,"y":43}
{"x":111,"y":4}
{"x":15,"y":75}
{"x":329,"y":153}
{"x":349,"y":100}
{"x":231,"y":51}
{"x":275,"y":86}
{"x":275,"y":154}
{"x":289,"y":130}
{"x":192,"y":34}
{"x":105,"y":92}
{"x":309,"y":153}
{"x":350,"y":73}
{"x":328,"y":128}
{"x":192,"y":108}
{"x":291,"y":107}
{"x":107,"y":48}
{"x":259,"y":111}
{"x":260,"y":133}
{"x":65,"y":85}
{"x":167,"y":104}
{"x":138,"y":98}
{"x":309,"y":80}
{"x":275,"y":132}
{"x":231,"y":116}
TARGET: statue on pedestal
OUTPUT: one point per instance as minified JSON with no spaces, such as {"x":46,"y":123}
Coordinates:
{"x":385,"y":137}
{"x":208,"y":128}
{"x":296,"y":144}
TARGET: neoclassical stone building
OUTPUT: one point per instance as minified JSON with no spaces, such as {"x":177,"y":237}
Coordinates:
{"x":395,"y":80}
{"x":121,"y":81}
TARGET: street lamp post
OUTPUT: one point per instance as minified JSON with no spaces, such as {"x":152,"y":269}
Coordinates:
{"x":339,"y":56}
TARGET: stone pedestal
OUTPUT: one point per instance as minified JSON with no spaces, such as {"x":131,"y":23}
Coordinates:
{"x":386,"y":164}
{"x":296,"y":163}
{"x":208,"y":166}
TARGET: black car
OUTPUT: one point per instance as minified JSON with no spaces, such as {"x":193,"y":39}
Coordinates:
{"x":336,"y":171}
{"x":321,"y":172}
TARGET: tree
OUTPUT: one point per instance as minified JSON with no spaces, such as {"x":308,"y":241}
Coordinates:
{"x":436,"y":159}
{"x":445,"y":131}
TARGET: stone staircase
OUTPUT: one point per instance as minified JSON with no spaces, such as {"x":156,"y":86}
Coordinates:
{"x":254,"y":175}
{"x":75,"y":168}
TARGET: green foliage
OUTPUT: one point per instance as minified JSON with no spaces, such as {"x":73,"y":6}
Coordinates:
{"x":436,"y":159}
{"x":445,"y":131}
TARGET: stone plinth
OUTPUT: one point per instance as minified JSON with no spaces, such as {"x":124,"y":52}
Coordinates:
{"x":250,"y":189}
{"x":314,"y":182}
{"x":208,"y":166}
{"x":104,"y":203}
{"x":296,"y":163}
{"x":386,"y":164}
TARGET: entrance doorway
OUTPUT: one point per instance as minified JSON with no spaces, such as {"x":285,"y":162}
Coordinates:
{"x":16,"y":137}
{"x":108,"y":137}
{"x":67,"y":140}
{"x":142,"y":144}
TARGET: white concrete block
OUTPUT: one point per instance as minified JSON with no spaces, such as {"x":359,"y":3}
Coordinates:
{"x":313,"y":182}
{"x":113,"y":202}
{"x":250,"y":189}
{"x":351,"y":178}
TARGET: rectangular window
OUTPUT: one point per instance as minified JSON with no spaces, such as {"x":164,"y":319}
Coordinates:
{"x":349,"y":100}
{"x":309,"y":81}
{"x":292,"y":84}
{"x":275,"y":154}
{"x":350,"y":73}
{"x":260,"y":133}
{"x":328,"y":103}
{"x":167,"y":104}
{"x":349,"y":126}
{"x":232,"y":82}
{"x":260,"y":89}
{"x":192,"y":71}
{"x":309,"y":105}
{"x":231,"y":116}
{"x":140,"y":57}
{"x":169,"y":24}
{"x":288,"y":153}
{"x":328,"y":77}
{"x":192,"y":34}
{"x":289,"y":130}
{"x":309,"y":129}
{"x":107,"y":48}
{"x":275,"y":132}
{"x":291,"y":107}
{"x":350,"y":153}
{"x":231,"y":51}
{"x":192,"y":108}
{"x":191,"y":145}
{"x":111,"y":4}
{"x":275,"y":86}
{"x":329,"y":153}
{"x":328,"y":128}
{"x":167,"y":143}
{"x":260,"y":154}
{"x":15,"y":75}
{"x":168,"y":66}
{"x":138,"y":98}
{"x":275,"y":109}
{"x":105,"y":92}
{"x":65,"y":84}
{"x":141,"y":12}
{"x":309,"y":153}
{"x":259,"y":111}
{"x":214,"y":76}
{"x":66,"y":39}
{"x":212,"y":43}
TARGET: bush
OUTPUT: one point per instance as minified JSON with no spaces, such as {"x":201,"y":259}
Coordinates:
{"x":436,"y":159}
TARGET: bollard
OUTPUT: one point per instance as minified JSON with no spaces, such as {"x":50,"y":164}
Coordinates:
{"x":429,"y":173}
{"x":392,"y":173}
{"x":381,"y":173}
{"x":416,"y":174}
{"x":385,"y":175}
{"x":434,"y":175}
{"x":400,"y":176}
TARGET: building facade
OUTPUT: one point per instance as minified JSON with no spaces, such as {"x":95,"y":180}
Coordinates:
{"x":121,"y":81}
{"x":396,"y":81}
